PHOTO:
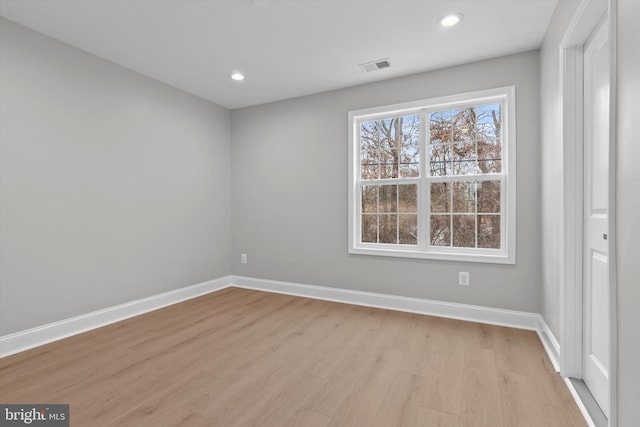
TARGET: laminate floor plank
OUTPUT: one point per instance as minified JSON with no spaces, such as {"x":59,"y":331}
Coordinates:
{"x":445,"y":369}
{"x":401,"y":404}
{"x":361,"y":405}
{"x":281,"y":406}
{"x":480,"y":397}
{"x":169,"y":417}
{"x":428,"y":417}
{"x":520,"y":405}
{"x":152,"y":410}
{"x":240,"y":357}
{"x":510,"y":352}
{"x":340,"y":381}
{"x":308,"y":418}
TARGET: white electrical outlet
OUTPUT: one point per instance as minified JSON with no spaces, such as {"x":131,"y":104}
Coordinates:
{"x":463,"y":278}
{"x":243,"y":258}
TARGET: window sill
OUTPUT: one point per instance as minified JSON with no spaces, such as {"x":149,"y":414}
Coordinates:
{"x":488,"y":258}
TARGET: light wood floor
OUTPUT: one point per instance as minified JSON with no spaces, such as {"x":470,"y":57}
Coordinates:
{"x":246,"y":358}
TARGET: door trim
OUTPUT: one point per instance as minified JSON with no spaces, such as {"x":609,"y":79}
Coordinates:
{"x":584,"y":22}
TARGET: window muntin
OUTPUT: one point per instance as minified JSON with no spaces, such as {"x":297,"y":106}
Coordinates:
{"x":433,"y":179}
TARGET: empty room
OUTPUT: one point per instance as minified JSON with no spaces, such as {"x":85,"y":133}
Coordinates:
{"x":319,"y":213}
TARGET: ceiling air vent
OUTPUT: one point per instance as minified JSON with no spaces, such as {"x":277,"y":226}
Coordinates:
{"x":376,"y":65}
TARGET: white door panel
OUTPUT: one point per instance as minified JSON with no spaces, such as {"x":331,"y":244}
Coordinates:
{"x":596,"y":325}
{"x":599,"y":292}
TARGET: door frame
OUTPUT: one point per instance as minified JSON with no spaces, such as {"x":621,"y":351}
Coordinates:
{"x":584,"y":22}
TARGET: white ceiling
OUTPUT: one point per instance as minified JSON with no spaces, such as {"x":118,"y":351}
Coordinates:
{"x":286,"y":48}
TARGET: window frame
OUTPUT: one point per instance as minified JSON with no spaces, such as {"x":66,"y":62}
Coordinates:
{"x":423,"y":250}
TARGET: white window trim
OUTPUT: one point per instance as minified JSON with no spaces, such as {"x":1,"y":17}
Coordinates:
{"x":507,"y":253}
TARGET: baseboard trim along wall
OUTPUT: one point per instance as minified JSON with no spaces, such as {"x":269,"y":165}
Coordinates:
{"x":493,"y":316}
{"x":30,"y":338}
{"x":34,"y":337}
{"x":550,"y":343}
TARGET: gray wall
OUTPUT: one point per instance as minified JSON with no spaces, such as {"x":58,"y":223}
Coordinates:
{"x":628,"y":213}
{"x":289,"y":191}
{"x":113,"y":186}
{"x":551,"y":164}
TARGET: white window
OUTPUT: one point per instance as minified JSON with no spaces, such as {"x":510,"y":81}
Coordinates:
{"x":435,"y":179}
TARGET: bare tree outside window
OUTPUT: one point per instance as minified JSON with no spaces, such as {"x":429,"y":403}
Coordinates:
{"x":461,"y":142}
{"x":389,"y":150}
{"x":465,"y":142}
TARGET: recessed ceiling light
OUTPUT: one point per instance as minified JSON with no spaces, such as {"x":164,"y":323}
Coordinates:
{"x":237,"y":76}
{"x":450,"y":19}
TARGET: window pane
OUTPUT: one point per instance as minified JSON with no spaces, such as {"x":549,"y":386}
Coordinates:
{"x":388,"y":228}
{"x":387,"y":167}
{"x":369,"y":228}
{"x":408,"y":198}
{"x":489,"y":121}
{"x":389,"y":147}
{"x":464,"y":158}
{"x":475,"y":133}
{"x":440,"y":127}
{"x":408,"y":229}
{"x":489,"y":231}
{"x":488,"y":135}
{"x":440,"y":230}
{"x":464,"y":196}
{"x":464,"y":231}
{"x":464,"y":125}
{"x":489,"y":197}
{"x":409,"y":149}
{"x":440,"y":197}
{"x":490,"y":166}
{"x":388,"y":198}
{"x":369,"y":150}
{"x":390,"y":140}
{"x":440,"y":159}
{"x":462,"y":168}
{"x":370,"y":171}
{"x":490,"y":155}
{"x":369,"y":198}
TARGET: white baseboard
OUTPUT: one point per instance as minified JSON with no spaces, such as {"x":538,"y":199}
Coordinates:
{"x":30,"y":338}
{"x":473,"y":313}
{"x":550,"y":343}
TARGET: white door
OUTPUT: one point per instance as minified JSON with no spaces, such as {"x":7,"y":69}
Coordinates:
{"x":596,"y":327}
